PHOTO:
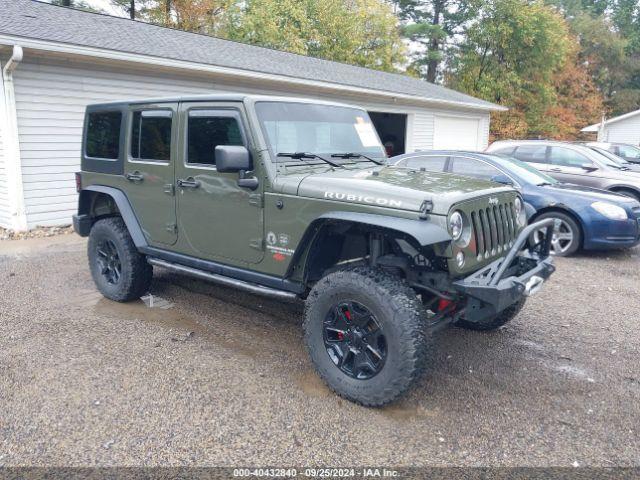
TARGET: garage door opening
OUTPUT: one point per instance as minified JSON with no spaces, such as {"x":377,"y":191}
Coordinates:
{"x":392,"y":130}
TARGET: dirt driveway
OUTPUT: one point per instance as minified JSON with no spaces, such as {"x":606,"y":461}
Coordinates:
{"x":210,"y":376}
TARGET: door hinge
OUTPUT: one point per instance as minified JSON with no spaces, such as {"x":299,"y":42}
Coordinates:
{"x":169,"y":189}
{"x":172,"y":227}
{"x":255,"y":199}
{"x":257,"y":244}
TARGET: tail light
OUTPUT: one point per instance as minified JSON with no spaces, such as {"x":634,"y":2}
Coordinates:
{"x":78,"y":182}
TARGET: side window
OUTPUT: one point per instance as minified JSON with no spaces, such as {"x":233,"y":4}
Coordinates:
{"x":151,"y":135}
{"x":531,"y":153}
{"x":474,"y":168}
{"x":103,"y":135}
{"x":206,"y":131}
{"x":431,"y":163}
{"x":567,"y":157}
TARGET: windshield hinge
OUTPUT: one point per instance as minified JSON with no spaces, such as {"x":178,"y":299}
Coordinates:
{"x":257,"y":244}
{"x":169,"y":189}
{"x":255,"y":199}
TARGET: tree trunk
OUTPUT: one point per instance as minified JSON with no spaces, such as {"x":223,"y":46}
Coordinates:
{"x":167,"y":12}
{"x":132,"y":10}
{"x":434,"y":44}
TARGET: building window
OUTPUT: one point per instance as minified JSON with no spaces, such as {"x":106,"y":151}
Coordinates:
{"x":103,"y":135}
{"x":151,"y":135}
{"x":206,"y":131}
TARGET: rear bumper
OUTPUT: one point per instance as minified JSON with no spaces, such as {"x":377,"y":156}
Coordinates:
{"x":502,"y":283}
{"x":82,"y":225}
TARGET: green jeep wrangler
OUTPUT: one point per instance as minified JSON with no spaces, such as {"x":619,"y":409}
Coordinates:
{"x":291,"y":198}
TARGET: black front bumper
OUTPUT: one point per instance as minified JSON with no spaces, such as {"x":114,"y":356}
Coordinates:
{"x":502,"y":283}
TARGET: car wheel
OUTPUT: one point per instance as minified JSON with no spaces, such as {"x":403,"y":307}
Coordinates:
{"x":119,"y":271}
{"x":567,"y":235}
{"x":495,"y":321}
{"x":366,"y":334}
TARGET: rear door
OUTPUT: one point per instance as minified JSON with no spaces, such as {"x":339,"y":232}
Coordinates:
{"x":149,"y":169}
{"x":218,"y":220}
{"x":567,"y":166}
{"x":536,"y":155}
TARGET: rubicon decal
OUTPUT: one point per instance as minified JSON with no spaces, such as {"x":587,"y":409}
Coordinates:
{"x":352,"y":197}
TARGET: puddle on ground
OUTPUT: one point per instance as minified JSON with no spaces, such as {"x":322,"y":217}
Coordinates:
{"x":402,"y":412}
{"x":311,"y":384}
{"x":170,"y":316}
{"x":33,"y":246}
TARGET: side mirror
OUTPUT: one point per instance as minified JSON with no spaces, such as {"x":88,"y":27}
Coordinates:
{"x":232,"y":158}
{"x":588,"y":167}
{"x":501,"y":178}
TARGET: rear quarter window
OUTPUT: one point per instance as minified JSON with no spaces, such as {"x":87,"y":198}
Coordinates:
{"x":103,"y":135}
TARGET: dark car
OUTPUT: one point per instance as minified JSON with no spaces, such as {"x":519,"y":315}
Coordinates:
{"x":588,"y":218}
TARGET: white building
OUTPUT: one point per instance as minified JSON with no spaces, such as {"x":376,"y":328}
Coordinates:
{"x":622,"y":129}
{"x":55,"y":61}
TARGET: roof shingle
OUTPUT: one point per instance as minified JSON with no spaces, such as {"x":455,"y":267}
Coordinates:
{"x":41,"y":21}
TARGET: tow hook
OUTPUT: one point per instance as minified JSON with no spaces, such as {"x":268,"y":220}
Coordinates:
{"x":533,"y":285}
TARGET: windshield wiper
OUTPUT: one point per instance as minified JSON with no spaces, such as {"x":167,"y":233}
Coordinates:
{"x":356,"y":155}
{"x":303,"y":155}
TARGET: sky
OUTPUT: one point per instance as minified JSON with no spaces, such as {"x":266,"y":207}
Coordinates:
{"x":105,"y":5}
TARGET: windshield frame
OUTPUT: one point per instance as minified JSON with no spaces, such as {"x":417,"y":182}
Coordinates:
{"x":276,"y":159}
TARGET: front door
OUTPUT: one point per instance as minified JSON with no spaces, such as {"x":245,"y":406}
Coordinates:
{"x":218,"y":220}
{"x":149,"y":169}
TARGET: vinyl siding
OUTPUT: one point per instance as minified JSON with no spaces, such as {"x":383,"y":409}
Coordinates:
{"x":51,"y":96}
{"x":4,"y":194}
{"x":624,"y":131}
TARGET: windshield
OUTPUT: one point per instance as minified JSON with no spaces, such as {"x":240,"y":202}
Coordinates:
{"x":629,"y":151}
{"x":525,"y":171}
{"x":610,"y":156}
{"x":608,"y":159}
{"x":317,"y":129}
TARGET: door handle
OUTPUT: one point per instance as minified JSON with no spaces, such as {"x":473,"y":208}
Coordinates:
{"x":189,"y":182}
{"x":134,"y":177}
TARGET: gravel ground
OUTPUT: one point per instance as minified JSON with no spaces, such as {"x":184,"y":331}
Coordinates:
{"x":210,"y":376}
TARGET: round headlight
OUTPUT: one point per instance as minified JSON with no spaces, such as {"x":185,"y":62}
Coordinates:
{"x":455,"y":225}
{"x":609,"y":210}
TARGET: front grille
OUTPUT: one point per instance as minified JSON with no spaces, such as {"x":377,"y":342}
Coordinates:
{"x":494,"y":229}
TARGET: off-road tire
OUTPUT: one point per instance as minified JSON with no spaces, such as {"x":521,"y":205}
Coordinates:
{"x":496,"y":321}
{"x":136,"y":273}
{"x":401,"y":316}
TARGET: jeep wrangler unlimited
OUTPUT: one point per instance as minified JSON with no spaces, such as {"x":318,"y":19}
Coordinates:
{"x":290,"y":198}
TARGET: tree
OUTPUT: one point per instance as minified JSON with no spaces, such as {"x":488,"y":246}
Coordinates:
{"x":360,"y":32}
{"x":510,"y":56}
{"x":128,"y":6}
{"x":430,"y":25}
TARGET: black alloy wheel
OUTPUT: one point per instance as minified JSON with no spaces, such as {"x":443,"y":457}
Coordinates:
{"x":355,"y":340}
{"x":109,"y":262}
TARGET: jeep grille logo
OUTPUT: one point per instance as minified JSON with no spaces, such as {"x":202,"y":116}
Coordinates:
{"x":493,"y":200}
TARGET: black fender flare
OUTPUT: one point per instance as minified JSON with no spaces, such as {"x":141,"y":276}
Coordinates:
{"x":124,"y":206}
{"x":423,"y":232}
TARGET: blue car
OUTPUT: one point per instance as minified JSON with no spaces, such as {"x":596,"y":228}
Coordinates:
{"x":587,"y":218}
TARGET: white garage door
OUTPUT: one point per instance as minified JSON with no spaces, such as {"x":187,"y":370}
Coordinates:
{"x":457,"y":133}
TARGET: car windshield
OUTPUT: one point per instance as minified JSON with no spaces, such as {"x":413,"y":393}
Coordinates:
{"x":610,"y":156}
{"x":524,"y":171}
{"x":325,"y":130}
{"x":609,"y":159}
{"x":629,"y":151}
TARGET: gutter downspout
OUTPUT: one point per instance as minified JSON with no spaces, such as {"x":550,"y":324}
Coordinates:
{"x":9,"y":124}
